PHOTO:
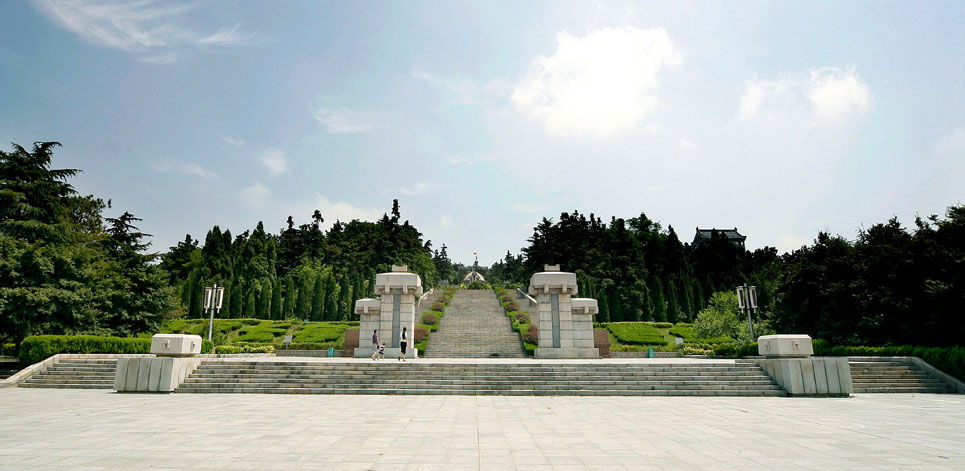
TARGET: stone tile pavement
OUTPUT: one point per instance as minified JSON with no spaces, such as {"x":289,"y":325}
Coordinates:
{"x":98,"y":430}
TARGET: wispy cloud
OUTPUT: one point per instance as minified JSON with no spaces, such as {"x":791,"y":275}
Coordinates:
{"x":144,"y":28}
{"x":348,"y":121}
{"x":459,"y":160}
{"x":686,"y":145}
{"x":185,"y":168}
{"x":825,"y":94}
{"x":469,"y":92}
{"x":257,"y":195}
{"x":274,"y":161}
{"x":235,"y":141}
{"x":419,"y":188}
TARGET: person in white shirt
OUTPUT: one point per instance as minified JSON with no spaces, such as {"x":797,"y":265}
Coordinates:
{"x":403,"y":341}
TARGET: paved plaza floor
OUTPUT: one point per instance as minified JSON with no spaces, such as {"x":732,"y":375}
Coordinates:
{"x":83,"y":429}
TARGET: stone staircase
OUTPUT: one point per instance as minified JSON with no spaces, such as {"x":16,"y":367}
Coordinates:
{"x":76,"y":373}
{"x":474,"y":327}
{"x":892,"y":375}
{"x":525,"y":378}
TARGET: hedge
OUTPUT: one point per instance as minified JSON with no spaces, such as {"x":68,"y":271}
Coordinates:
{"x":8,"y":349}
{"x":636,"y":333}
{"x":39,"y":347}
{"x":234,"y":349}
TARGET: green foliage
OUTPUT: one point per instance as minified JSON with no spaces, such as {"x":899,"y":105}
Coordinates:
{"x":263,"y":332}
{"x":951,"y":360}
{"x":719,"y":318}
{"x":635,"y":333}
{"x":696,"y":349}
{"x":430,"y":317}
{"x":479,"y":285}
{"x":684,"y":331}
{"x":236,"y":349}
{"x":323,"y":332}
{"x":532,"y":335}
{"x":39,"y":347}
{"x":421,"y":334}
{"x":8,"y":349}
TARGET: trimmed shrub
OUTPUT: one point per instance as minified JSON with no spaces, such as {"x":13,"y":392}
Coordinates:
{"x":532,"y":335}
{"x":726,"y":350}
{"x":512,"y":306}
{"x":308,"y":346}
{"x":636,"y":333}
{"x":39,"y":347}
{"x":438,"y":306}
{"x":421,"y":334}
{"x":684,"y":331}
{"x":663,"y":325}
{"x":235,"y":349}
{"x":429,"y":318}
{"x":520,"y":317}
{"x":8,"y":349}
{"x":695,"y":349}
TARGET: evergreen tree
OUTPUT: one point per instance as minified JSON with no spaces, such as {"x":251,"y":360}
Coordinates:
{"x":659,"y":304}
{"x":701,"y":300}
{"x":264,"y":300}
{"x":276,"y":301}
{"x":303,"y":308}
{"x":345,"y":301}
{"x":673,"y":305}
{"x":331,"y":301}
{"x":617,"y":313}
{"x":686,"y":303}
{"x":249,"y":309}
{"x":318,"y":299}
{"x":288,"y":309}
{"x":603,"y":304}
{"x":235,"y":300}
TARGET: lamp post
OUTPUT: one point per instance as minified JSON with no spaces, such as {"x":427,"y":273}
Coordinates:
{"x":213,"y":295}
{"x":747,"y":300}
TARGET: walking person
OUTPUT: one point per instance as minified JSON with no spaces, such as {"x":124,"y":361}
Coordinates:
{"x":375,"y":343}
{"x":402,"y":343}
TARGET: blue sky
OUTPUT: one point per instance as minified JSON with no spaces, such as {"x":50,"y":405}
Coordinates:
{"x":782,"y":119}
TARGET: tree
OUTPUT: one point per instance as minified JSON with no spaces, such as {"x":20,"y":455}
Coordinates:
{"x":288,"y":311}
{"x":659,"y":305}
{"x":276,"y":303}
{"x":344,"y":301}
{"x":249,"y":310}
{"x":235,"y":301}
{"x":331,"y":303}
{"x":720,"y":318}
{"x":673,"y":306}
{"x":318,"y":299}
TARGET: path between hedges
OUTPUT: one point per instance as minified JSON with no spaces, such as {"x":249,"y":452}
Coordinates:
{"x":474,"y":327}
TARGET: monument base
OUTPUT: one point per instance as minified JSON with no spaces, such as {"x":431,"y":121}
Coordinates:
{"x":390,"y":352}
{"x":562,"y":353}
{"x":153,"y":374}
{"x":815,"y":376}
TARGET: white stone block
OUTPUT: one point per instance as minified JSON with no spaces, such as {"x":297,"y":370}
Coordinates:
{"x":552,"y":282}
{"x":785,"y":346}
{"x":584,"y":306}
{"x":367,"y":306}
{"x":175,"y":344}
{"x":398,"y":282}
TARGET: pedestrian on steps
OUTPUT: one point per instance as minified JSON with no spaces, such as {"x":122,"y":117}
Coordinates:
{"x":402,"y":343}
{"x":375,"y":343}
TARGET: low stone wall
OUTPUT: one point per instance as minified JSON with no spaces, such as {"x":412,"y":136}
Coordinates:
{"x":312,"y":353}
{"x":644,"y":355}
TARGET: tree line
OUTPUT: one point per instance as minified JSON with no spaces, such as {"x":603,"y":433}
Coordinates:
{"x":890,"y":286}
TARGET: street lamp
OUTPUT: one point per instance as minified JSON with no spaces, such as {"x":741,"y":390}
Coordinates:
{"x":213,"y":295}
{"x":747,"y":300}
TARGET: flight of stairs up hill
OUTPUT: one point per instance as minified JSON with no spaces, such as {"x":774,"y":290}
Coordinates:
{"x":474,"y":326}
{"x":523,"y":378}
{"x":76,"y":373}
{"x":892,"y":375}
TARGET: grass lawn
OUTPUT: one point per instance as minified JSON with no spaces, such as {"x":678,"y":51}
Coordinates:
{"x":314,"y":335}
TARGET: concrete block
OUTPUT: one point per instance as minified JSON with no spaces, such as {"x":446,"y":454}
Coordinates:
{"x":154,"y":384}
{"x":786,"y":346}
{"x":807,"y":373}
{"x":820,"y":376}
{"x":579,"y":353}
{"x":143,"y":373}
{"x":130,"y":380}
{"x":552,"y":282}
{"x":175,"y":344}
{"x":367,"y":305}
{"x":584,"y":306}
{"x":398,"y":282}
{"x":831,"y":372}
{"x":120,"y":374}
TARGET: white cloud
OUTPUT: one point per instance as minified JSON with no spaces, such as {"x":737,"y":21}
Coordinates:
{"x":256,"y":195}
{"x":145,"y":28}
{"x":419,"y":188}
{"x":835,"y":93}
{"x":346,"y":121}
{"x":459,"y":160}
{"x":331,"y":211}
{"x":468,"y":92}
{"x":274,"y":161}
{"x":185,"y":168}
{"x":599,"y":85}
{"x":445,"y":222}
{"x":824,"y":95}
{"x":235,"y":141}
{"x":951,"y":145}
{"x":686,"y":145}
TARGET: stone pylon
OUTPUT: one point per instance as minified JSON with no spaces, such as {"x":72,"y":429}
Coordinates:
{"x":565,"y":323}
{"x":398,"y":291}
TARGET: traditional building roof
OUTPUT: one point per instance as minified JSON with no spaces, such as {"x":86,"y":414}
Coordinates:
{"x":474,"y":276}
{"x":731,"y":234}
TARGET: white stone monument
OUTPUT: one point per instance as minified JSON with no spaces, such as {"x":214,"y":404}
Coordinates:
{"x":398,"y":291}
{"x":565,"y":323}
{"x":788,"y":361}
{"x":174,"y":359}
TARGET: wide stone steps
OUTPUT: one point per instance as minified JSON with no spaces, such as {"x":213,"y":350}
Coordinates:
{"x":893,"y":375}
{"x":474,"y":327}
{"x":92,"y":373}
{"x":472,"y":379}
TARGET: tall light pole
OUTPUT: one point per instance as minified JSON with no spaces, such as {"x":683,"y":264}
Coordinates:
{"x":747,"y":300}
{"x":213,"y":295}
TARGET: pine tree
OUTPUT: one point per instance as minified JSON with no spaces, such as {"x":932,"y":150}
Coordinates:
{"x":288,"y":309}
{"x":344,"y":301}
{"x":603,"y":304}
{"x":673,"y":305}
{"x":617,"y":313}
{"x":686,"y":300}
{"x":318,"y":299}
{"x":234,"y":308}
{"x":331,"y":303}
{"x":250,"y":302}
{"x":303,"y":307}
{"x":701,"y":301}
{"x":659,"y":304}
{"x":276,"y":303}
{"x":267,"y":292}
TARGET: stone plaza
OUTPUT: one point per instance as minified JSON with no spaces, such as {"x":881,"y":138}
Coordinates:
{"x":102,"y":430}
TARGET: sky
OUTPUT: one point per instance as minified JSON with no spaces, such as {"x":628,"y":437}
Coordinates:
{"x":782,"y":119}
